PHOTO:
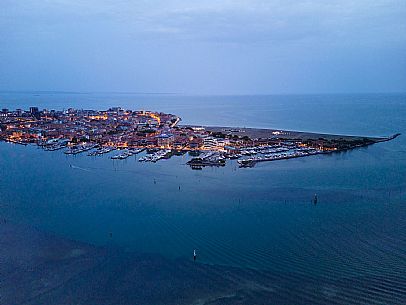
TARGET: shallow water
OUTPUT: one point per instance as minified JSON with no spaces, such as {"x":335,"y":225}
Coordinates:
{"x":259,"y":217}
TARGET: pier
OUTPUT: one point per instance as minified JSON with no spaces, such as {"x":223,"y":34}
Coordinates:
{"x":130,"y":132}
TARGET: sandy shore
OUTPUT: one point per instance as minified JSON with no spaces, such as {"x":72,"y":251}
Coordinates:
{"x":287,"y":134}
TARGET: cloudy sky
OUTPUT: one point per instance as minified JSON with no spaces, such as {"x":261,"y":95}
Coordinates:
{"x":203,"y":47}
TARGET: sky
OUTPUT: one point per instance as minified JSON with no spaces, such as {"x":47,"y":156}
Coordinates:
{"x":203,"y":47}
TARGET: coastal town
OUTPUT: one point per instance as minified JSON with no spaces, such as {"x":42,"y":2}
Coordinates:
{"x":121,"y":133}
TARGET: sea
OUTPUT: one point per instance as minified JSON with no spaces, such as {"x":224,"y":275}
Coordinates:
{"x":260,"y":218}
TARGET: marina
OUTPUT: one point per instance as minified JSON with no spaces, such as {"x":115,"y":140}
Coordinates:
{"x":101,"y":151}
{"x":156,"y":156}
{"x":312,"y":243}
{"x":100,"y":132}
{"x":126,"y":153}
{"x":203,"y":152}
{"x":278,"y":154}
{"x":77,"y":149}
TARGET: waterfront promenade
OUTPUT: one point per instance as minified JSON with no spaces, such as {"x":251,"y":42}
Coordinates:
{"x":99,"y":132}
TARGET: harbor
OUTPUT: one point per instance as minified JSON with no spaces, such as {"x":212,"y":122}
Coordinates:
{"x":308,"y":214}
{"x":130,"y":132}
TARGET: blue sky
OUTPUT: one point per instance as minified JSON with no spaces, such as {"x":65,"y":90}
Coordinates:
{"x":204,"y":47}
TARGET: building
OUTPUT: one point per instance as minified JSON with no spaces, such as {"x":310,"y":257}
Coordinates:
{"x":4,"y":112}
{"x":165,"y":140}
{"x":214,"y":143}
{"x":33,"y":110}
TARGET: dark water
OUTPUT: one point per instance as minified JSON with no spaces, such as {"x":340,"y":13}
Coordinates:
{"x":261,"y":217}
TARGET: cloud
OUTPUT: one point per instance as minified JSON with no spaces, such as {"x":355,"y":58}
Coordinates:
{"x":246,"y":45}
{"x":227,"y":21}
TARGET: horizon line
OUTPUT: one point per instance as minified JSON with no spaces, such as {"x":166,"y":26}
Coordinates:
{"x":197,"y":94}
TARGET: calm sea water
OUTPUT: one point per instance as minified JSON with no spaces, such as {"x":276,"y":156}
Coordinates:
{"x":259,"y":217}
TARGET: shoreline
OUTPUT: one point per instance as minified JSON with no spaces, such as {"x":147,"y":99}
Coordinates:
{"x":99,"y":132}
{"x":310,"y":144}
{"x":213,"y":158}
{"x":287,"y":134}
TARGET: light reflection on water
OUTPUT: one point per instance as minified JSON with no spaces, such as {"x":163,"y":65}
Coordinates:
{"x":260,"y":217}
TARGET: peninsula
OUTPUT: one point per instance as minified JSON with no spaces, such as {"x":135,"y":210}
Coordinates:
{"x":129,"y":132}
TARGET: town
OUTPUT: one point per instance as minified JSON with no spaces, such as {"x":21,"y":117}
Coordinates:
{"x":122,"y":133}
